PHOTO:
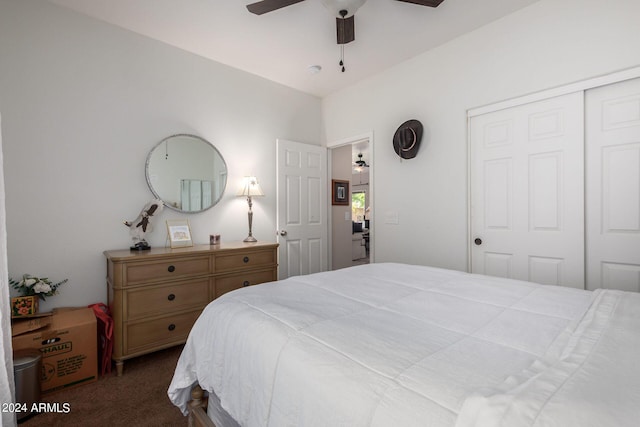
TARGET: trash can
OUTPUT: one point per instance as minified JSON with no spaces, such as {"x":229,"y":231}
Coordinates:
{"x":27,"y":371}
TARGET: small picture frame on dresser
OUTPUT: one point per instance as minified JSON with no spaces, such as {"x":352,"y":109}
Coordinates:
{"x":179,"y":233}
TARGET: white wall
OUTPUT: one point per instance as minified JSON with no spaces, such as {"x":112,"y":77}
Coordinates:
{"x":548,"y":44}
{"x":83,"y":102}
{"x":341,"y":227}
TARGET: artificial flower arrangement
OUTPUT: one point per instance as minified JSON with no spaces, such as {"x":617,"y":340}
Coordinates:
{"x":31,"y":289}
{"x":36,"y":286}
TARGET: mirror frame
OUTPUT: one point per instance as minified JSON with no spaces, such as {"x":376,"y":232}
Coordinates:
{"x":155,"y":193}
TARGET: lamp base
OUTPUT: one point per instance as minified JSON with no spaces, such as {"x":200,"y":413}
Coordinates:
{"x":250,"y":239}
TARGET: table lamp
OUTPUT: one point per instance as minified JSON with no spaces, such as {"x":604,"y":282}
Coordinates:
{"x":250,"y":188}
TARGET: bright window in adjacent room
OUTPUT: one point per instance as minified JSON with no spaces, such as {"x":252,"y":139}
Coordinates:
{"x":358,"y":205}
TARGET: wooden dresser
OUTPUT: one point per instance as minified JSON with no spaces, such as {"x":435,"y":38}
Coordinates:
{"x":155,"y":296}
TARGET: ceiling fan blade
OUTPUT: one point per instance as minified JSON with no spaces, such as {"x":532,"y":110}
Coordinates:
{"x":346,"y":29}
{"x":430,"y":3}
{"x":265,"y":6}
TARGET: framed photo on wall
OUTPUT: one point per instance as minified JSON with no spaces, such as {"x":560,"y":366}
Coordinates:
{"x":179,"y":233}
{"x":339,"y":192}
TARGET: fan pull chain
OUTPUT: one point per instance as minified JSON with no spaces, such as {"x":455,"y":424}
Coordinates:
{"x":343,"y":13}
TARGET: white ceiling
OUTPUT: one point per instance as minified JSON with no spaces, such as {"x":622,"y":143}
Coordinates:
{"x":281,"y":45}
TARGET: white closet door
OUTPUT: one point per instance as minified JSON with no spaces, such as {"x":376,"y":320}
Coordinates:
{"x":527,"y":187}
{"x":613,"y":186}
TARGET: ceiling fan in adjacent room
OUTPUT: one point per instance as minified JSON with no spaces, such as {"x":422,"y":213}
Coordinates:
{"x":343,"y":10}
{"x":360,"y":164}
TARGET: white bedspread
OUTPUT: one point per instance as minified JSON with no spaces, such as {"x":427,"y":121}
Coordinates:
{"x":594,"y":382}
{"x":399,"y":345}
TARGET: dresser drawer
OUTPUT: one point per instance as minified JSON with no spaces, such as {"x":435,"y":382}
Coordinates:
{"x":226,"y":284}
{"x":158,"y":332}
{"x":151,"y":300}
{"x":166,"y":269}
{"x":243,"y":260}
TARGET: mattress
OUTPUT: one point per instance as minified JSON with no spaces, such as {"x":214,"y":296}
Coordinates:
{"x":403,"y":345}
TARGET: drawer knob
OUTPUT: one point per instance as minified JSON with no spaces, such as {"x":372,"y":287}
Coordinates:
{"x":245,"y":283}
{"x":171,"y":269}
{"x":171,"y":297}
{"x":245,"y":259}
{"x":171,"y":327}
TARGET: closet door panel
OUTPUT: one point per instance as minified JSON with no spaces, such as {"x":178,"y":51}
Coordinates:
{"x":613,"y":186}
{"x":621,"y":188}
{"x":527,"y":187}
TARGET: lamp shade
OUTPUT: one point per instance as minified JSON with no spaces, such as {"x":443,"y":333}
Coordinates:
{"x":250,"y":187}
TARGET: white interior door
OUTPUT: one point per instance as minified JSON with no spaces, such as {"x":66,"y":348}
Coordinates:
{"x":527,"y":187}
{"x":302,"y":208}
{"x":613,"y":186}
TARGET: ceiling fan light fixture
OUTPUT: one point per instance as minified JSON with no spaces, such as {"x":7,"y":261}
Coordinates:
{"x":360,"y":164}
{"x":336,"y":6}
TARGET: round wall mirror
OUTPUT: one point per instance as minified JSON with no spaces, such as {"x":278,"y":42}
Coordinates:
{"x":186,"y":172}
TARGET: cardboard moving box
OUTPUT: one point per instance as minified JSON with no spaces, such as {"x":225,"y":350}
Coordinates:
{"x":20,"y":326}
{"x":69,"y":348}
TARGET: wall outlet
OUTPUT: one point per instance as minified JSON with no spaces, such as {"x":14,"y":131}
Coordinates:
{"x":347,"y":216}
{"x":391,"y":218}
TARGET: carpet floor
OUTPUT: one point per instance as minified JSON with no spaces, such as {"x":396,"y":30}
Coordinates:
{"x":137,"y":398}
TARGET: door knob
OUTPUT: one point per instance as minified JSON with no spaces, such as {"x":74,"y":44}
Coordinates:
{"x":478,"y":241}
{"x":283,"y":232}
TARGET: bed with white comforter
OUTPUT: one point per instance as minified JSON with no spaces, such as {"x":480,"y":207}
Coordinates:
{"x":401,"y":345}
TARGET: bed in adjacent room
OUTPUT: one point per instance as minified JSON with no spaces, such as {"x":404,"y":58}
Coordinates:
{"x":402,"y":345}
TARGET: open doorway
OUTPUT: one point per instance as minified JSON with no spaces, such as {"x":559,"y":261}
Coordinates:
{"x":351,"y":225}
{"x":360,"y":203}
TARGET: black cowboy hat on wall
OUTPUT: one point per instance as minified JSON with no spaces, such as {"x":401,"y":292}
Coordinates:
{"x":406,"y":140}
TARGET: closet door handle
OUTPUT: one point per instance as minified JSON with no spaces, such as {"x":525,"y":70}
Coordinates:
{"x":478,"y":241}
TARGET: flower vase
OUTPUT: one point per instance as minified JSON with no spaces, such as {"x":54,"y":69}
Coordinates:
{"x":24,"y":306}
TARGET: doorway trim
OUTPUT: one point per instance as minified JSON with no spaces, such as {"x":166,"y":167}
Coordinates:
{"x":367,"y":136}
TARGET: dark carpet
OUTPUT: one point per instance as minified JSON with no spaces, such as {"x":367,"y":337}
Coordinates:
{"x":137,"y":398}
